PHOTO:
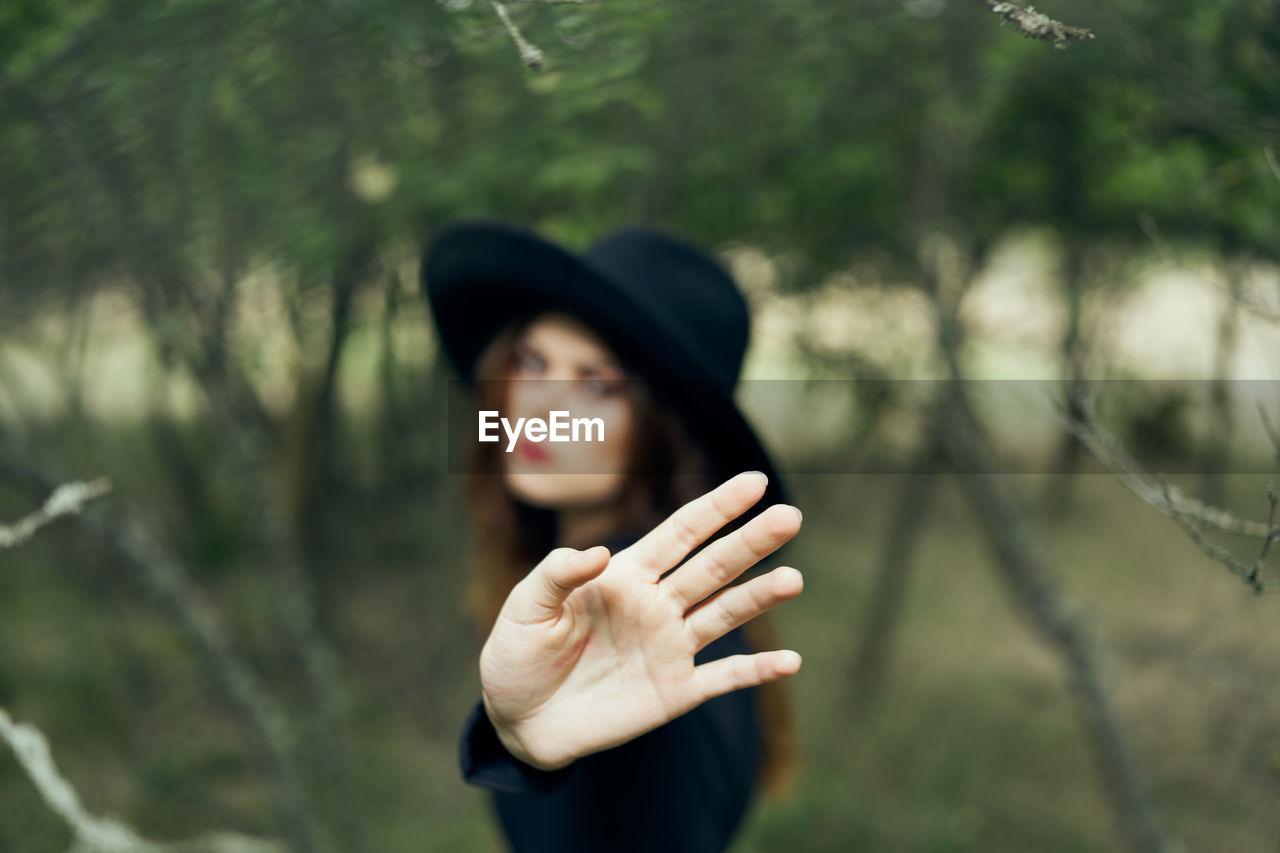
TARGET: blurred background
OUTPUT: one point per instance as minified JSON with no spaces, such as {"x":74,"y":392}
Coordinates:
{"x":211,"y":216}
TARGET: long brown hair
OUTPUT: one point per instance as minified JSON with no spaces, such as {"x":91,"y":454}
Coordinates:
{"x":666,"y":470}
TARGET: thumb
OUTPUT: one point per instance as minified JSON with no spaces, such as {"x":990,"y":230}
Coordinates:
{"x":557,"y":576}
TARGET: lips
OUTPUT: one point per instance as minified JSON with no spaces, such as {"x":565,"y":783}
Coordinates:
{"x":531,"y":452}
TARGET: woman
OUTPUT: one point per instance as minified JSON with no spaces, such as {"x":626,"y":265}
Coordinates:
{"x":613,"y":714}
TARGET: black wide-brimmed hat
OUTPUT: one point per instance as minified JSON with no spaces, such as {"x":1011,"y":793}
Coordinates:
{"x":672,"y":314}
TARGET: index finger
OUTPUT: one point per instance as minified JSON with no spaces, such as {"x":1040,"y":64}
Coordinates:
{"x":692,"y":524}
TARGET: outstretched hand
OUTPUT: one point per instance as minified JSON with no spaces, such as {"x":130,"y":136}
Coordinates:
{"x":591,"y":650}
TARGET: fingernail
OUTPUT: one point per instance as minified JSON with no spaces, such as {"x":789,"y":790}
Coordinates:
{"x":759,"y":474}
{"x":799,"y":514}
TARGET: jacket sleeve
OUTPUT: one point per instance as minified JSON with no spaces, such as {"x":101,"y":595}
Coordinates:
{"x":681,"y":788}
{"x":487,"y":763}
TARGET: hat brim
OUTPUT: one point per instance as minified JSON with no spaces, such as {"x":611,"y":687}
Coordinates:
{"x":479,"y":277}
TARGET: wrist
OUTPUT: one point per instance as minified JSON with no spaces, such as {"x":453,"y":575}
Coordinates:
{"x":516,"y":745}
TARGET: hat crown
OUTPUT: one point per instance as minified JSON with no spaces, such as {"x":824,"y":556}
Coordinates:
{"x":697,"y":297}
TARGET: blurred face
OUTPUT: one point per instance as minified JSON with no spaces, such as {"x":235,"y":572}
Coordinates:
{"x":561,"y":365}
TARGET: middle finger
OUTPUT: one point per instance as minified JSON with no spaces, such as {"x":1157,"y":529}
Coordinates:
{"x":731,"y":555}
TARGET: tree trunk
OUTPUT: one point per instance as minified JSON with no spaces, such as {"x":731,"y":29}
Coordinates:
{"x":1221,"y":422}
{"x":888,"y":595}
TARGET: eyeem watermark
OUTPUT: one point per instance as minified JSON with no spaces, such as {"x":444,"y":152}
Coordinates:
{"x":559,"y":427}
{"x":880,"y":426}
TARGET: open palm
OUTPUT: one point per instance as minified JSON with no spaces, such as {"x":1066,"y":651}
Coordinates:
{"x":591,"y":650}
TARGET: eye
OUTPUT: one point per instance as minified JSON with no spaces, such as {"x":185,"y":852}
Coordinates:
{"x":596,"y":385}
{"x":528,"y":363}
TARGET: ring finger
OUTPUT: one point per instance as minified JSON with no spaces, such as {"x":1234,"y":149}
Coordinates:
{"x":729,"y":556}
{"x":739,"y":604}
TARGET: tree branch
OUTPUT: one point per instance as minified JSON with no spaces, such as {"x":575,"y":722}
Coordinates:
{"x":1270,"y":154}
{"x":1108,"y":450}
{"x":67,"y":499}
{"x":94,"y":834}
{"x":1272,"y":433}
{"x":167,"y":579}
{"x":1149,"y":227}
{"x":529,"y":53}
{"x":1251,"y":574}
{"x":1192,"y":515}
{"x":1037,"y":25}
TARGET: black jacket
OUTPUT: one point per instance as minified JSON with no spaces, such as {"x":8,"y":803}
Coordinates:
{"x":682,"y":788}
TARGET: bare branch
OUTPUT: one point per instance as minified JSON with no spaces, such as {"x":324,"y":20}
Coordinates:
{"x":67,"y":499}
{"x":1108,"y":450}
{"x":529,"y":53}
{"x":1270,"y":154}
{"x":169,"y":581}
{"x":1192,"y":515}
{"x":1149,"y":227}
{"x":1250,"y":574}
{"x":1037,"y":25}
{"x":93,"y":834}
{"x":1273,"y":532}
{"x":1272,"y":433}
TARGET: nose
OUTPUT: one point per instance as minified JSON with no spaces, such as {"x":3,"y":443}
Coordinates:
{"x":537,"y":398}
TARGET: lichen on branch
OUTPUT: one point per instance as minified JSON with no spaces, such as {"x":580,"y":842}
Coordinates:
{"x":1037,"y":25}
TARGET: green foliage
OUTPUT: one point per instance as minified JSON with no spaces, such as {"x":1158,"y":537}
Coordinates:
{"x":172,"y":140}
